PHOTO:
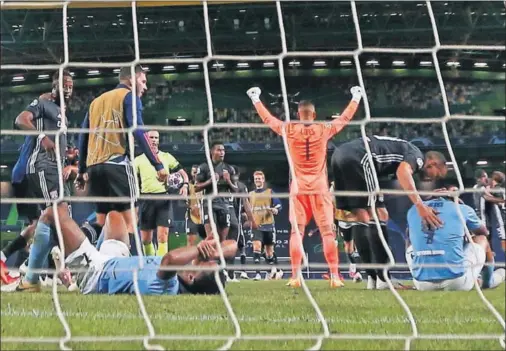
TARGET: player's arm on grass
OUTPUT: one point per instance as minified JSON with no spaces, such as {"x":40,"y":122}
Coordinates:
{"x":274,"y":123}
{"x":204,"y":251}
{"x":405,"y":177}
{"x":25,"y":119}
{"x":342,"y":121}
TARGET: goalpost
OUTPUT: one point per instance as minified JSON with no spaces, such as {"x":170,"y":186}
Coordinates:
{"x":228,"y":341}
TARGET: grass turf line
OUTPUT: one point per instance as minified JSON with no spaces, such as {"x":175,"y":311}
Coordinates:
{"x":263,"y":308}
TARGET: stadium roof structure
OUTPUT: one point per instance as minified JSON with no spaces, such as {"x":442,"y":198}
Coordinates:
{"x":105,"y":34}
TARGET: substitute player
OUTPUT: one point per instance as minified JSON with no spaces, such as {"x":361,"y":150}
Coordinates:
{"x":104,"y":155}
{"x":265,"y":207}
{"x":45,"y":114}
{"x":194,"y":225}
{"x":155,"y":214}
{"x":310,"y":196}
{"x":440,"y":259}
{"x":352,"y":171}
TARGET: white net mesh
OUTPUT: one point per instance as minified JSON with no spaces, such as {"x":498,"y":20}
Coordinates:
{"x":227,"y":342}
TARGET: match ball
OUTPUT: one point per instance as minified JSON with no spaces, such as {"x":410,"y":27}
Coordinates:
{"x":175,"y":181}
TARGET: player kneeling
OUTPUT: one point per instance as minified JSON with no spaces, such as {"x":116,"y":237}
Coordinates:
{"x":440,"y":260}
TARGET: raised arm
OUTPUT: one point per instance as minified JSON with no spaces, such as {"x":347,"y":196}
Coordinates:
{"x":342,"y":121}
{"x":274,"y":123}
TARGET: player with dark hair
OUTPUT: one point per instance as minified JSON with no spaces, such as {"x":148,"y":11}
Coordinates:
{"x":110,"y":270}
{"x":42,"y":115}
{"x":309,"y":190}
{"x":240,"y":215}
{"x":104,"y":155}
{"x":221,"y":206}
{"x":352,"y":170}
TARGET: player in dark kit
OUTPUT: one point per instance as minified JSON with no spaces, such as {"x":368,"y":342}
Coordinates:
{"x":42,"y":115}
{"x":352,"y":171}
{"x":30,"y":211}
{"x":240,"y":216}
{"x":223,"y":173}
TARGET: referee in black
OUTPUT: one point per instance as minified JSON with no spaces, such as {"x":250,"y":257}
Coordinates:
{"x":104,"y":156}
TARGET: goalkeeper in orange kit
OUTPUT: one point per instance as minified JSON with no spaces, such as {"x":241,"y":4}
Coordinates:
{"x":309,"y":194}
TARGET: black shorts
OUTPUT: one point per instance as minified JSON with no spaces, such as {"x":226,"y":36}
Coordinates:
{"x":267,"y":237}
{"x":155,"y":213}
{"x":195,"y":229}
{"x":236,"y":232}
{"x":345,"y":230}
{"x":45,"y":184}
{"x":21,"y":191}
{"x":110,"y":180}
{"x":221,"y":217}
{"x":351,"y":173}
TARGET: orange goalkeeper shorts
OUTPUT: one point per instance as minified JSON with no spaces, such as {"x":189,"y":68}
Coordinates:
{"x":305,"y":207}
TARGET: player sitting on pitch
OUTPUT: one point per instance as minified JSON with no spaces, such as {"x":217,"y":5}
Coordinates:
{"x":460,"y":263}
{"x":110,"y":270}
{"x":309,"y":191}
{"x":353,"y":170}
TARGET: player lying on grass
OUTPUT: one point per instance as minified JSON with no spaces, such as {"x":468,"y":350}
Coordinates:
{"x":353,"y":170}
{"x":110,"y":270}
{"x":459,"y":263}
{"x":309,"y":191}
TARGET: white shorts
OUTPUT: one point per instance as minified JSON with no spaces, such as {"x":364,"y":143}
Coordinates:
{"x":474,"y":259}
{"x":90,"y":261}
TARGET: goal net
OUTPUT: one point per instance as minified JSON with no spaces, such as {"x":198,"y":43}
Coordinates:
{"x":301,"y":321}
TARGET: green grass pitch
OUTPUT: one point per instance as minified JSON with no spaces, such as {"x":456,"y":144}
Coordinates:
{"x":263,"y":308}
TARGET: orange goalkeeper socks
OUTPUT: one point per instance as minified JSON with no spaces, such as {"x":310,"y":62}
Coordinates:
{"x":295,"y":253}
{"x":331,"y":254}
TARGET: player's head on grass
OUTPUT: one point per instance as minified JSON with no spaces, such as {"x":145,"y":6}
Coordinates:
{"x":68,"y":85}
{"x":141,"y":81}
{"x":154,"y":139}
{"x":481,"y":176}
{"x":306,"y":111}
{"x":217,"y":151}
{"x":259,"y":179}
{"x":202,"y":282}
{"x":435,"y":165}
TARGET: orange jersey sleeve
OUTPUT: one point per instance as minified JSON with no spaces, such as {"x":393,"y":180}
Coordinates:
{"x":339,"y":123}
{"x":308,"y":149}
{"x":275,"y":124}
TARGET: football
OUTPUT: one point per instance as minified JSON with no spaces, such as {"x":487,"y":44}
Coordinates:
{"x":175,"y":181}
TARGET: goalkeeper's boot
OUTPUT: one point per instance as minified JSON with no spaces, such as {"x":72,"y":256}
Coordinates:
{"x":28,"y":287}
{"x":294,"y":283}
{"x":336,"y":282}
{"x":244,"y":275}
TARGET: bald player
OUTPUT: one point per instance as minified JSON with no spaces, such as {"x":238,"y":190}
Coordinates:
{"x":309,"y":191}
